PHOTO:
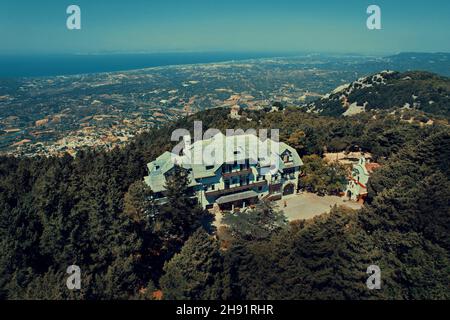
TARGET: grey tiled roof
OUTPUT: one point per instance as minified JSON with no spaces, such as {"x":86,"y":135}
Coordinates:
{"x":246,"y":146}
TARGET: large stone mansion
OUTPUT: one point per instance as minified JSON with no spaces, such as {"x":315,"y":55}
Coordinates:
{"x":247,"y":170}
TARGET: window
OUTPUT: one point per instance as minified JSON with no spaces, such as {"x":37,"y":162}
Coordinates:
{"x":209,"y":167}
{"x":287,"y":156}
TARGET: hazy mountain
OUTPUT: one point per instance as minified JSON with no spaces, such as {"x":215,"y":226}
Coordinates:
{"x":408,"y":61}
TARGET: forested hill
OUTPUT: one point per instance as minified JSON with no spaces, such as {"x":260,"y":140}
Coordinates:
{"x":94,"y":211}
{"x":389,"y":90}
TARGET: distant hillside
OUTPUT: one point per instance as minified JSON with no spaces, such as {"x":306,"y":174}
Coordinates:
{"x":388,"y":90}
{"x":438,"y":62}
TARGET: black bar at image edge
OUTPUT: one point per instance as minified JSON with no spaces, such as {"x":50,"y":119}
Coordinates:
{"x":225,"y":310}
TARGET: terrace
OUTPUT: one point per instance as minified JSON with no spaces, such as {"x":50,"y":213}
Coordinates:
{"x":217,"y":193}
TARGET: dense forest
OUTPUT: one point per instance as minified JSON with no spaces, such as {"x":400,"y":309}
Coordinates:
{"x":94,"y":211}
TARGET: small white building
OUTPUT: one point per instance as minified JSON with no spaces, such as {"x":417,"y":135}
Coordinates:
{"x":357,"y":183}
{"x":234,"y":112}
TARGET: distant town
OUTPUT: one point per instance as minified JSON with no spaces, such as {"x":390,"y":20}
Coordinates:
{"x":63,"y":114}
{"x":50,"y":116}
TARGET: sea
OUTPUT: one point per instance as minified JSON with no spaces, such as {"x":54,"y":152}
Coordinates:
{"x":12,"y":66}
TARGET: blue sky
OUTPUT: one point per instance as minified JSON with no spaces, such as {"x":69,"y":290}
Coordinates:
{"x":216,"y":25}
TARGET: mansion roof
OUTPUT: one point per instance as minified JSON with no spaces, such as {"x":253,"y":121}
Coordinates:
{"x":204,"y":157}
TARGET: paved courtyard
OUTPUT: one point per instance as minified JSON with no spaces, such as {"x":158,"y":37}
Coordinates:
{"x":304,"y":206}
{"x":309,"y":205}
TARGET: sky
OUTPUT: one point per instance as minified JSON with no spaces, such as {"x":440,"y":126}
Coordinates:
{"x":107,"y":26}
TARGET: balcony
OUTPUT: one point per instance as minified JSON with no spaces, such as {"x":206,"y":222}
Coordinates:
{"x":289,"y":165}
{"x":217,"y":193}
{"x":241,"y":172}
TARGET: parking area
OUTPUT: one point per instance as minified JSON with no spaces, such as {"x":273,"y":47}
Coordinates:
{"x":303,"y":206}
{"x":309,"y":205}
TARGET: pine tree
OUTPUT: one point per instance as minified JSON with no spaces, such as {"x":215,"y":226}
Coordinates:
{"x":139,"y":204}
{"x":181,"y":215}
{"x":255,"y":224}
{"x":195,"y":272}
